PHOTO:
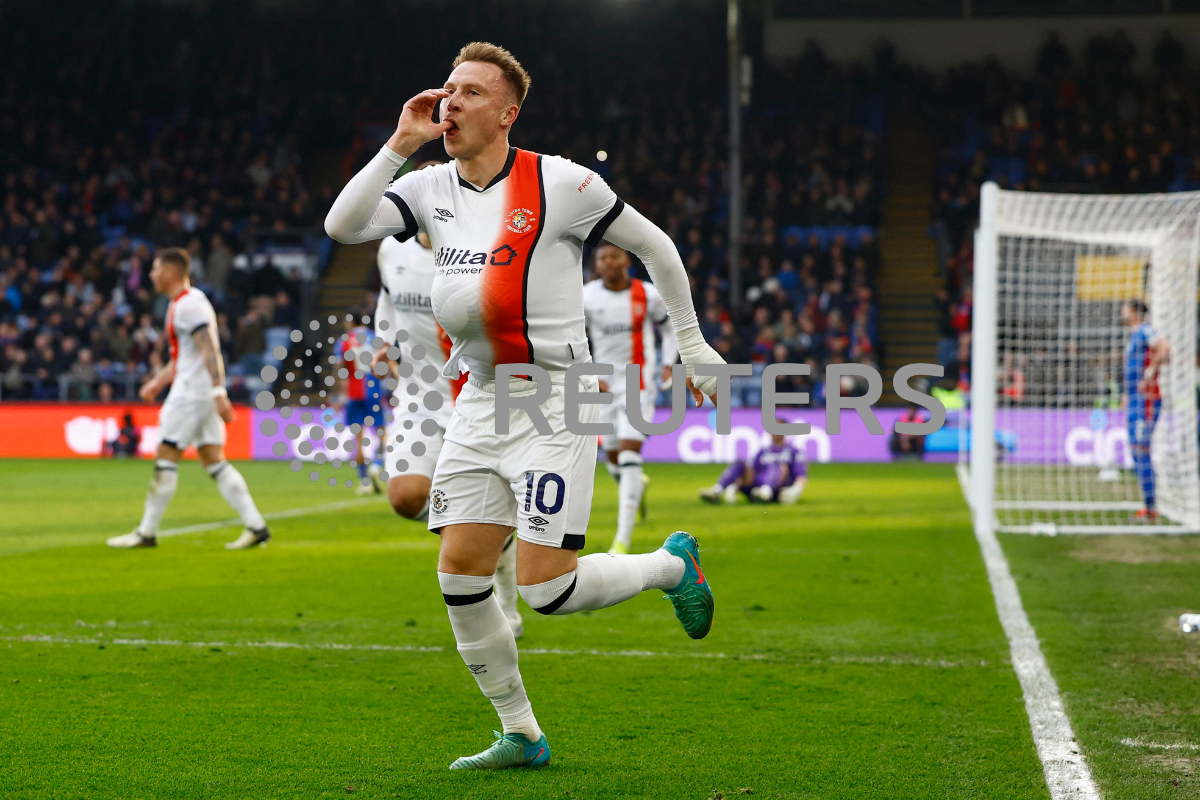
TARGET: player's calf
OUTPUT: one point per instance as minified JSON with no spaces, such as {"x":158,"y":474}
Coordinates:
{"x":489,"y":649}
{"x":601,"y":580}
{"x":158,"y":497}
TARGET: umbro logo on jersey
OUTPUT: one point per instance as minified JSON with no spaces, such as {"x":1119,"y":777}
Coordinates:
{"x":443,"y":215}
{"x":502,"y":256}
{"x":538,"y":520}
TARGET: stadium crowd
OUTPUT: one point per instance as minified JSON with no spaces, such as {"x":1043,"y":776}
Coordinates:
{"x":200,"y":139}
{"x":1079,"y":124}
{"x":205,"y":140}
{"x":103,"y":159}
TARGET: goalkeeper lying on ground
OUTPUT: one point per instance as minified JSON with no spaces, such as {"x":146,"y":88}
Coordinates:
{"x":776,"y":474}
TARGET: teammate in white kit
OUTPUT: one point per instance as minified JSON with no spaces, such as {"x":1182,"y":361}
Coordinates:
{"x":416,"y":433}
{"x":622,"y":314}
{"x":196,"y":409}
{"x":507,"y":229}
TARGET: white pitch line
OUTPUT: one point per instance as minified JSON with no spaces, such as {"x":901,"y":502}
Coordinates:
{"x":285,"y":514}
{"x":866,"y":660}
{"x":1067,"y":773}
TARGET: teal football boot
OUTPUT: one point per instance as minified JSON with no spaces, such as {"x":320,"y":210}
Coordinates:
{"x":692,"y":598}
{"x":510,"y":750}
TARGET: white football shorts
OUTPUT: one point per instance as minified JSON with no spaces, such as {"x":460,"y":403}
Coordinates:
{"x":616,"y":413}
{"x":186,"y":420}
{"x":416,"y":440}
{"x":539,"y":484}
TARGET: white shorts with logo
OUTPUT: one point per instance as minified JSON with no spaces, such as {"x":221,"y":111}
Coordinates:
{"x":616,"y":413}
{"x":539,"y":484}
{"x":416,"y":440}
{"x":190,"y":419}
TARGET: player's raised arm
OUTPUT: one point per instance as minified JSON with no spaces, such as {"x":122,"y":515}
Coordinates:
{"x":216,"y":370}
{"x":651,"y":244}
{"x":363,"y":211}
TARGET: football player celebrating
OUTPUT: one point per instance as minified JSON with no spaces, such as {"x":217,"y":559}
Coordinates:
{"x":507,"y":228}
{"x":622,"y":314}
{"x":196,"y":409}
{"x":404,"y":319}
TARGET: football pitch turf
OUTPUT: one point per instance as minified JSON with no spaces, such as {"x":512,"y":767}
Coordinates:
{"x":856,"y":651}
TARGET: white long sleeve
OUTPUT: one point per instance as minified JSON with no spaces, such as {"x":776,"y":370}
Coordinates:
{"x":361,"y":213}
{"x":385,"y":311}
{"x":633,"y":232}
{"x":670,"y":347}
{"x":651,"y":244}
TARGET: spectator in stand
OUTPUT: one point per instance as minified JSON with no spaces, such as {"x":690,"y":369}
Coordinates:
{"x":125,"y":445}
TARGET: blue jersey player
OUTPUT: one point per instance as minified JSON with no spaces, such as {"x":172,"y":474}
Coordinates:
{"x":364,"y":403}
{"x":1145,"y":352}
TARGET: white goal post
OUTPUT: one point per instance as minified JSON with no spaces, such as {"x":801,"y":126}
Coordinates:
{"x":1049,"y":446}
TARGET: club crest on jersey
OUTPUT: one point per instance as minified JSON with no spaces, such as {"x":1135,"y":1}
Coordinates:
{"x":520,"y":220}
{"x":438,"y":503}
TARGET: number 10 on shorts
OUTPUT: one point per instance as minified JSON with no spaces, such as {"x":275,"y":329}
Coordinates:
{"x":546,"y":493}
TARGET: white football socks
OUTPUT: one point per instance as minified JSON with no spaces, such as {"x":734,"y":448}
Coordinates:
{"x":486,"y":644}
{"x":602,"y":580}
{"x":614,"y":471}
{"x":158,"y":495}
{"x":506,"y":577}
{"x":233,"y":488}
{"x":630,"y":494}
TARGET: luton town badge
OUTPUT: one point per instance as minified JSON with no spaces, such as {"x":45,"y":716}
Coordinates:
{"x":520,"y":220}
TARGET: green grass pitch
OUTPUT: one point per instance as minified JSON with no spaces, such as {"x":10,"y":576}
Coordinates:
{"x":856,"y":651}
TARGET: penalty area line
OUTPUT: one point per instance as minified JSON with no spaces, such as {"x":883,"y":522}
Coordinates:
{"x":1067,"y":774}
{"x":285,"y":514}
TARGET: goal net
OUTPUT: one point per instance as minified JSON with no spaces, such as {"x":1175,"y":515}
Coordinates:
{"x":1050,"y":447}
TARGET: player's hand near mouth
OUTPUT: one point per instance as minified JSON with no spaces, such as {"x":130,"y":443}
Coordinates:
{"x":416,"y":125}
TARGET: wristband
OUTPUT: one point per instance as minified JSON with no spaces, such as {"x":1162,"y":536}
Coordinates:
{"x":692,"y":347}
{"x":219,"y":391}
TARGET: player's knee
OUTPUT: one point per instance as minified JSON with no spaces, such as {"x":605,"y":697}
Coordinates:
{"x":550,"y":596}
{"x":409,"y":505}
{"x":408,"y":497}
{"x":165,"y":478}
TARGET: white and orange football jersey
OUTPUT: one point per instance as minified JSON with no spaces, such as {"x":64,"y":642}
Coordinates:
{"x":406,"y":272}
{"x":508,"y":257}
{"x":188,"y":313}
{"x":621,"y":326}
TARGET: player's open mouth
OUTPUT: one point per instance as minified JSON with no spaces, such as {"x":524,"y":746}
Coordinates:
{"x":453,"y":130}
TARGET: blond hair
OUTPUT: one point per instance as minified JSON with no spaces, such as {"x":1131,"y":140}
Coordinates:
{"x":176,"y":257}
{"x":490,"y":53}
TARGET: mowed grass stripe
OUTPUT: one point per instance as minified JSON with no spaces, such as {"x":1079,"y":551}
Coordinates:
{"x":856,"y":653}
